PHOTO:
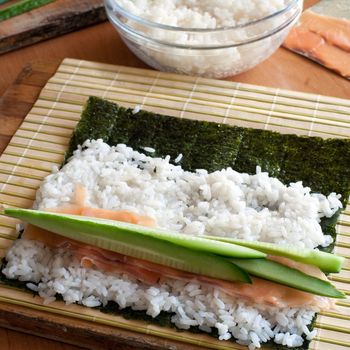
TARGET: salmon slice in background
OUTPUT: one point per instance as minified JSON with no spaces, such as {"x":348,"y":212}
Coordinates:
{"x":323,"y":39}
{"x":335,"y":31}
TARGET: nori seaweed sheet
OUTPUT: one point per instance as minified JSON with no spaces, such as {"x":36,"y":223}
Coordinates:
{"x":97,"y":121}
{"x":194,"y":140}
{"x":323,"y":165}
{"x":263,"y":148}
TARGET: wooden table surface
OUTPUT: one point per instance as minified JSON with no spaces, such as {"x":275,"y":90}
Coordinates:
{"x":101,"y":43}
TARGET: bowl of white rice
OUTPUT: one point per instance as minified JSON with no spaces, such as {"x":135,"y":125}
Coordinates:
{"x":210,"y":38}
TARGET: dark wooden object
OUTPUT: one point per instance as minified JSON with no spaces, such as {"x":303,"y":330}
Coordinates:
{"x":54,"y":19}
{"x":82,"y":333}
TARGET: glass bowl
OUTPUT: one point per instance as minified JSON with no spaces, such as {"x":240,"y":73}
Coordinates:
{"x":214,"y":53}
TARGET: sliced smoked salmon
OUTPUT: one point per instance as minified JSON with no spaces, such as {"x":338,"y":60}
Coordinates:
{"x":323,"y":39}
{"x":335,"y":31}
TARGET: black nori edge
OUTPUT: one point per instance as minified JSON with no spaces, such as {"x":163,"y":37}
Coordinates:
{"x":97,"y":121}
{"x":323,"y":165}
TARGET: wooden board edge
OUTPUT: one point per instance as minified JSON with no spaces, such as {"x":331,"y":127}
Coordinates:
{"x":58,"y":25}
{"x":80,"y":332}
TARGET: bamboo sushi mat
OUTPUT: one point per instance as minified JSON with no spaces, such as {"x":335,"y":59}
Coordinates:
{"x":40,"y":143}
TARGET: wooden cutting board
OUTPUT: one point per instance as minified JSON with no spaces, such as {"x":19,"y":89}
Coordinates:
{"x":16,"y":102}
{"x":53,"y":19}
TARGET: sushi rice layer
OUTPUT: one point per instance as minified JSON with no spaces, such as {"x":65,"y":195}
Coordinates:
{"x":225,"y":203}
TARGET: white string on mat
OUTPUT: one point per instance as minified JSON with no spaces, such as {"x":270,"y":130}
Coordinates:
{"x":155,"y":81}
{"x":116,"y":76}
{"x":343,"y":218}
{"x":232,"y":101}
{"x":314,"y":114}
{"x":189,"y":98}
{"x":43,"y":122}
{"x":273,"y":105}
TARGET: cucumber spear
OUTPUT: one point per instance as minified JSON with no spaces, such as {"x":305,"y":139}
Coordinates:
{"x":327,"y":262}
{"x":20,"y":7}
{"x":192,"y":254}
{"x":125,"y":239}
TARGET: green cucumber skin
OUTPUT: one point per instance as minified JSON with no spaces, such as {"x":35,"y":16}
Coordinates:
{"x":195,"y":243}
{"x":21,"y":7}
{"x":108,"y":235}
{"x":282,"y":274}
{"x":95,"y":232}
{"x":327,"y":262}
